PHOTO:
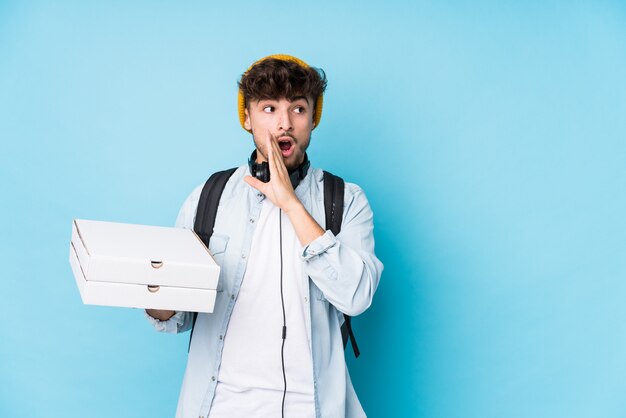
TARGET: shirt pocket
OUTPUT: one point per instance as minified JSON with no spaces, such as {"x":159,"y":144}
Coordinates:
{"x":217,"y":248}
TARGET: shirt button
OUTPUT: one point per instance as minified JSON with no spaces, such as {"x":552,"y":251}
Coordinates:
{"x":221,"y":337}
{"x":213,"y":378}
{"x":232,"y":297}
{"x":306,"y":299}
{"x":251,"y":221}
{"x":243,"y":256}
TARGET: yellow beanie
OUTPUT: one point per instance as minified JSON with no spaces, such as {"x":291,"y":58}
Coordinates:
{"x":241,"y":100}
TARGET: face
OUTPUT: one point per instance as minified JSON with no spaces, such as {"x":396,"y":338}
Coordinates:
{"x":290,"y":123}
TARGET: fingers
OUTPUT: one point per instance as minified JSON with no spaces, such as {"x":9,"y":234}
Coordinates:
{"x":271,"y":152}
{"x":275,"y":159}
{"x":279,"y":189}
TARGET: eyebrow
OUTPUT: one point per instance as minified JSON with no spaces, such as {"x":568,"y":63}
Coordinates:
{"x":300,"y":97}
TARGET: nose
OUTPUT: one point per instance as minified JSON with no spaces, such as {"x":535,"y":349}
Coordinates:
{"x":284,"y":121}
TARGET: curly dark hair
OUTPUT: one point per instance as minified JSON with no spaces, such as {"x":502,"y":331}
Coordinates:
{"x":274,"y":78}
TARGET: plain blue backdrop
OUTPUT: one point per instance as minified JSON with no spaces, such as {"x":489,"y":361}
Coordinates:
{"x":490,"y":138}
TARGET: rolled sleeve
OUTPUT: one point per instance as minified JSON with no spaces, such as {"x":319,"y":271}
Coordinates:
{"x":173,"y":325}
{"x":345,"y":268}
{"x":319,"y":246}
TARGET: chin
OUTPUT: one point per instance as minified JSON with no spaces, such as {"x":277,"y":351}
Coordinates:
{"x":292,"y":164}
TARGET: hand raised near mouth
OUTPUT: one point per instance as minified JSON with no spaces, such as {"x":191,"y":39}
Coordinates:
{"x":279,"y":189}
{"x":280,"y":192}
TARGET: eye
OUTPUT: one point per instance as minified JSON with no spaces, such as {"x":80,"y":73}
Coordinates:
{"x":268,"y":109}
{"x":300,"y":109}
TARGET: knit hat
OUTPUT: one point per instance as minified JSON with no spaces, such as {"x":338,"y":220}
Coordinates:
{"x":241,"y":100}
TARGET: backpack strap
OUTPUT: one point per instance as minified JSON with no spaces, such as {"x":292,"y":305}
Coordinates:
{"x":333,"y":201}
{"x":206,"y":213}
{"x":208,"y":203}
{"x":333,"y":205}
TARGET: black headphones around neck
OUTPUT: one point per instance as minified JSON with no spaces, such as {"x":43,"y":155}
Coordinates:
{"x":261,"y":171}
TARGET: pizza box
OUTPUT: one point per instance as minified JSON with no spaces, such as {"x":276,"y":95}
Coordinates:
{"x":140,"y":266}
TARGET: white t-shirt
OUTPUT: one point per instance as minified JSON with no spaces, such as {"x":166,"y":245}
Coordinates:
{"x":250,"y":381}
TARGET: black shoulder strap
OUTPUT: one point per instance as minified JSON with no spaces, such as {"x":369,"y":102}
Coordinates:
{"x":333,"y":205}
{"x":206,"y":213}
{"x":333,"y":201}
{"x":207,"y":205}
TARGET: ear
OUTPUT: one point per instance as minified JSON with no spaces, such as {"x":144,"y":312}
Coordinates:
{"x":246,"y":122}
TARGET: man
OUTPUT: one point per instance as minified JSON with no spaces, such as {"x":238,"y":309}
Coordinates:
{"x":272,"y":346}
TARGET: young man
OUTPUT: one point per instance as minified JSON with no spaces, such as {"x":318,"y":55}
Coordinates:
{"x":282,"y":274}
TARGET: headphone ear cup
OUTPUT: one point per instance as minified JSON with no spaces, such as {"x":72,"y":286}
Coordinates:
{"x":263,"y":172}
{"x":260,"y":171}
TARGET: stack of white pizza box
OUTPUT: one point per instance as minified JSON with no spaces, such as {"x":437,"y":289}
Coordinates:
{"x":141,"y":266}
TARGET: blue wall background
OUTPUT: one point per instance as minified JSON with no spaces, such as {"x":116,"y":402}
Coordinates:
{"x":489,"y":136}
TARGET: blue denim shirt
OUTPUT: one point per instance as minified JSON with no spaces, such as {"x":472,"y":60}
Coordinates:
{"x":342,"y":271}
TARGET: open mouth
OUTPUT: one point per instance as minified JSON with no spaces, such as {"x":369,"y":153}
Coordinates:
{"x":286,"y":146}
